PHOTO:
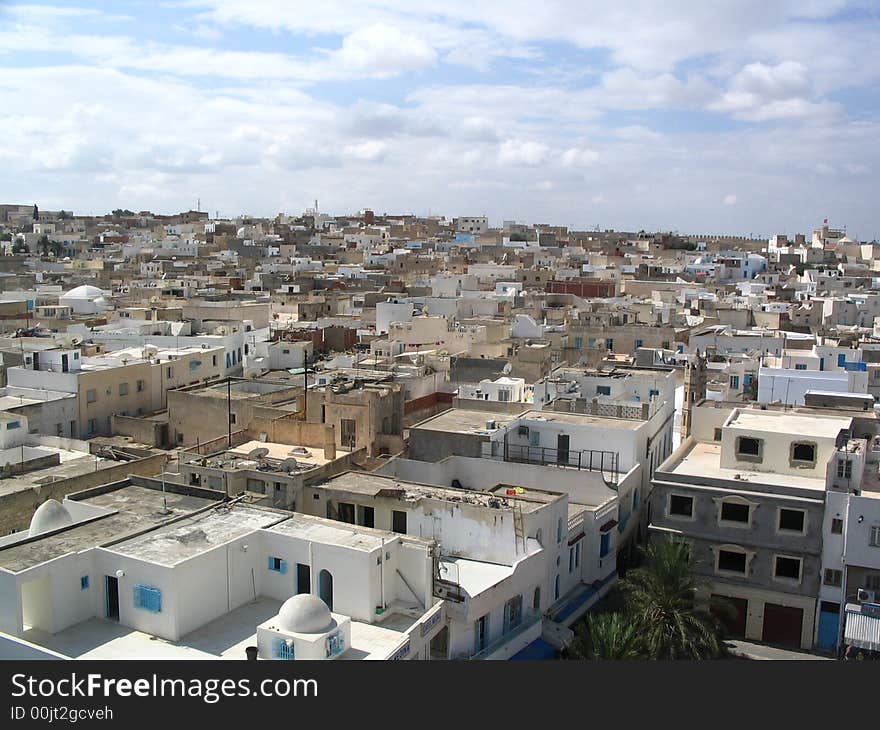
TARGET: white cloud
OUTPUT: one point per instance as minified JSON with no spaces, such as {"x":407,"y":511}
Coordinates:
{"x":368,"y":151}
{"x":522,"y":152}
{"x":575,"y":157}
{"x":382,"y":50}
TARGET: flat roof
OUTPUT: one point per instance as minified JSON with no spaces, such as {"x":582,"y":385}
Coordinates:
{"x":461,"y":420}
{"x":307,"y":455}
{"x":138,"y":508}
{"x":584,"y":419}
{"x":172,"y":544}
{"x":317,"y":529}
{"x":793,"y":423}
{"x":704,"y":460}
{"x":372,"y":485}
{"x":73,"y":464}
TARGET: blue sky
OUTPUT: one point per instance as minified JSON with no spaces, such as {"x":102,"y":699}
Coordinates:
{"x":744,"y":116}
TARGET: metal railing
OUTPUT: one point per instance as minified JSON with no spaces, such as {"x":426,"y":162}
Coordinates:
{"x":606,"y":462}
{"x":529,"y":619}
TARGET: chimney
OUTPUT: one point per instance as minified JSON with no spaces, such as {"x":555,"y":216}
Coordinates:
{"x":329,"y":443}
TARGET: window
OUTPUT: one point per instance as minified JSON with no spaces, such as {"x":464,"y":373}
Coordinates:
{"x":556,"y":588}
{"x":536,"y":600}
{"x":837,"y":526}
{"x":791,"y":520}
{"x":232,"y":418}
{"x":147,"y":598}
{"x":213,"y":361}
{"x":833,"y":577}
{"x":800,"y":366}
{"x":277,"y":565}
{"x":534,"y":438}
{"x":734,"y":382}
{"x":512,"y":613}
{"x":139,"y":386}
{"x":717,"y":435}
{"x":803,"y":453}
{"x":366,"y":516}
{"x":872,"y":581}
{"x":577,"y":554}
{"x":652,"y":392}
{"x":169,"y":372}
{"x":735,"y":512}
{"x":844,"y":469}
{"x":123,"y":389}
{"x":603,"y":390}
{"x":481,"y":633}
{"x":84,"y":583}
{"x":346,"y":512}
{"x":681,"y":506}
{"x":874,"y":540}
{"x":639,"y":343}
{"x":91,"y":395}
{"x":604,"y":545}
{"x":732,"y":561}
{"x":788,"y":568}
{"x":335,"y":644}
{"x":571,"y":560}
{"x":283,"y":649}
{"x":13,"y":425}
{"x":749,"y":449}
{"x":504,"y":396}
{"x":348,"y":431}
{"x":398,"y":522}
{"x":558,"y":530}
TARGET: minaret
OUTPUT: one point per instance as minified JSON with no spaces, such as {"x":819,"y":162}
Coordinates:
{"x":694,"y":389}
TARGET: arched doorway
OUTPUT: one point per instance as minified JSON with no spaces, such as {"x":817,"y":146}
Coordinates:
{"x":325,"y":588}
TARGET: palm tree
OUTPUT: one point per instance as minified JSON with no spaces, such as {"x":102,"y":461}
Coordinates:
{"x":607,"y":636}
{"x":661,"y":595}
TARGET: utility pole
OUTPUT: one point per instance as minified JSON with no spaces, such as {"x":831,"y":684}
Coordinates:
{"x":229,"y":413}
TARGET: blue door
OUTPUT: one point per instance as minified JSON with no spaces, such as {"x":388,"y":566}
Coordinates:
{"x":829,"y":625}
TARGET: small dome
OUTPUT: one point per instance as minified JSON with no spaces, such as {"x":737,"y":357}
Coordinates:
{"x":84,"y":292}
{"x":49,"y":516}
{"x":305,"y":614}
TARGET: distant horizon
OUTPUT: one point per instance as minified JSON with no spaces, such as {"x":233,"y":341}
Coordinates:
{"x":635,"y":116}
{"x":448,"y":217}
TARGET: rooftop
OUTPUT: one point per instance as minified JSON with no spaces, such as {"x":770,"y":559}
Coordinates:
{"x":136,"y":508}
{"x":791,"y":423}
{"x":174,"y":543}
{"x":703,"y":459}
{"x":461,"y":420}
{"x":375,"y":485}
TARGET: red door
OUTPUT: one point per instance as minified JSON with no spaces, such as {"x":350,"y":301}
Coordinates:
{"x":732,"y":615}
{"x":782,"y":625}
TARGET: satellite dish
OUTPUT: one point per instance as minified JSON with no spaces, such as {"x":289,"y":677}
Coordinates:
{"x":507,"y":368}
{"x":76,"y":340}
{"x":258,"y":453}
{"x":289,"y":465}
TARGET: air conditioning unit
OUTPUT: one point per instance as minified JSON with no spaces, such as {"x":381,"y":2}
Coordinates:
{"x":866,"y":596}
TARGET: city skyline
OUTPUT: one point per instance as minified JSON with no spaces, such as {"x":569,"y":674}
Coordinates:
{"x":721,"y":119}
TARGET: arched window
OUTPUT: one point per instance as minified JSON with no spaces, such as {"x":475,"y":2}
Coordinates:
{"x":325,"y":588}
{"x":536,"y":601}
{"x":556,"y":589}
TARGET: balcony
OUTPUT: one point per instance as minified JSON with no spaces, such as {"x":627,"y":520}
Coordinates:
{"x":516,"y":638}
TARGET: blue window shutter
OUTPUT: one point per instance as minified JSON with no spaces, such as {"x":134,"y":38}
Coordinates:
{"x":270,"y":563}
{"x":282,"y":567}
{"x":841,"y":360}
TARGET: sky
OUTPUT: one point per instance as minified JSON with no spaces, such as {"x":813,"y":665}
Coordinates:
{"x":741,"y":116}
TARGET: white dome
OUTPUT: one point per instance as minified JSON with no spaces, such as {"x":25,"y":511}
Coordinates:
{"x":305,"y":614}
{"x":49,"y":516}
{"x":84,"y":292}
